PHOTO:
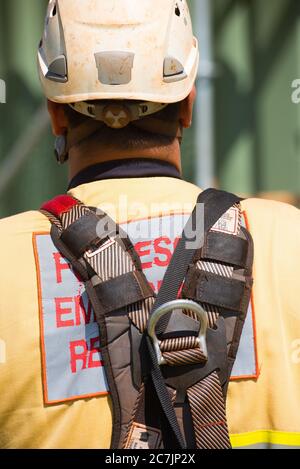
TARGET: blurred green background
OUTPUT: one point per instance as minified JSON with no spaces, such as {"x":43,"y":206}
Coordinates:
{"x":256,"y":49}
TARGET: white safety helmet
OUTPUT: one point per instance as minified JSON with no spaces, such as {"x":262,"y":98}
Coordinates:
{"x":118,"y":49}
{"x":117,"y":61}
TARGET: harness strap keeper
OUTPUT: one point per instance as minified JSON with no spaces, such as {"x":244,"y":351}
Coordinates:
{"x":226,"y":293}
{"x":122,"y":291}
{"x":225,"y":249}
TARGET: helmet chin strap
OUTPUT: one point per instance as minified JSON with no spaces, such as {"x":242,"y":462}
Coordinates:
{"x":64,"y":143}
{"x":60,"y":149}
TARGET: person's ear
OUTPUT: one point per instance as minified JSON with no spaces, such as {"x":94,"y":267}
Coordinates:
{"x":58,"y":118}
{"x":186,"y":110}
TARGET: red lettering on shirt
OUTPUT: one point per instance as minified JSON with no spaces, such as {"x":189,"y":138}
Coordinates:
{"x":139,"y":247}
{"x":82,"y":313}
{"x":83,"y":355}
{"x":60,"y":312}
{"x":163,"y":251}
{"x":78,"y":353}
{"x":60,"y":265}
{"x":94,"y":351}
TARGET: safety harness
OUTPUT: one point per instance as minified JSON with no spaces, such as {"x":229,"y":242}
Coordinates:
{"x":168,"y":358}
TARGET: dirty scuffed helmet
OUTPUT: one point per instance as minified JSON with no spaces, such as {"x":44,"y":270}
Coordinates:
{"x":140,"y":52}
{"x":118,"y":49}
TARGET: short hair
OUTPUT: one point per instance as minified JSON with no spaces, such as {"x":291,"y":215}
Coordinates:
{"x":130,"y":137}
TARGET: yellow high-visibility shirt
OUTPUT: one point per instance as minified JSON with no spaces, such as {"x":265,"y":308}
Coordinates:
{"x":41,"y":407}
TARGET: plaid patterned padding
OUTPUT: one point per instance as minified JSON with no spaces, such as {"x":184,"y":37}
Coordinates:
{"x":209,"y":415}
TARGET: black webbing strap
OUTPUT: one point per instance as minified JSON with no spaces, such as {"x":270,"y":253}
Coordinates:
{"x":164,"y":397}
{"x":216,"y":203}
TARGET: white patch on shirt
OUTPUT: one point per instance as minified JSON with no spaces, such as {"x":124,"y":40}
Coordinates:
{"x":72,"y":366}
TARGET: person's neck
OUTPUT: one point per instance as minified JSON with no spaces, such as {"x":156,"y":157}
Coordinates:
{"x":83,"y":156}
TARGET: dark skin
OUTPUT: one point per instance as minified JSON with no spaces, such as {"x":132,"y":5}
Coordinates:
{"x":89,"y":153}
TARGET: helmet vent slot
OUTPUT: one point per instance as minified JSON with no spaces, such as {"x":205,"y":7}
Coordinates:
{"x":54,"y":11}
{"x":177,"y":10}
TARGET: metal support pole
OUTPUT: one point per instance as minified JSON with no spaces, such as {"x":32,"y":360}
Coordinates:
{"x":205,"y":98}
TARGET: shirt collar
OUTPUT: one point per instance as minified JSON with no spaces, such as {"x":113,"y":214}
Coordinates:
{"x":125,"y":168}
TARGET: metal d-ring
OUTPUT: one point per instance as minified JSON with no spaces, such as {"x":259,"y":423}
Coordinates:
{"x":169,"y":307}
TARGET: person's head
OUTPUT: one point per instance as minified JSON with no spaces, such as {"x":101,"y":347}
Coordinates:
{"x":118,"y":74}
